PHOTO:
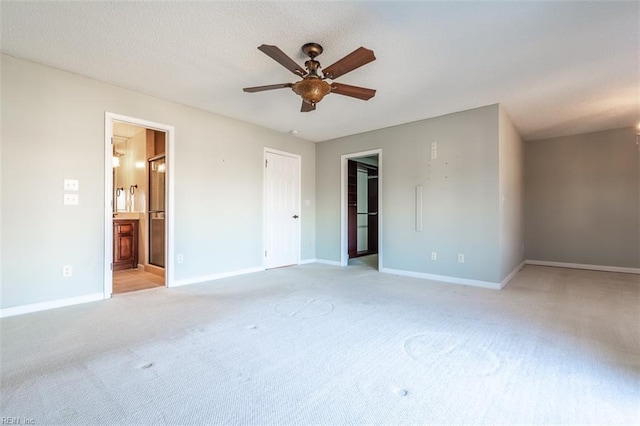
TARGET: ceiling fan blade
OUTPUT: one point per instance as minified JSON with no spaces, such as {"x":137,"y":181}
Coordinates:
{"x":353,"y":91}
{"x":280,"y":57}
{"x":353,"y":60}
{"x":307,"y":107}
{"x":270,"y":87}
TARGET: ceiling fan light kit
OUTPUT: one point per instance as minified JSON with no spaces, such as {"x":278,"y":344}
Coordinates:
{"x":312,"y":90}
{"x":313,"y":87}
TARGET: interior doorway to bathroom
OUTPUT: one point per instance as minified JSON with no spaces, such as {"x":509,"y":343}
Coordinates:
{"x":138,"y":193}
{"x":361,"y":217}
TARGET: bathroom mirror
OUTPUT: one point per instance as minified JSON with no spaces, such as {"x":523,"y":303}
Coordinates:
{"x":129,"y":168}
{"x":120,"y":174}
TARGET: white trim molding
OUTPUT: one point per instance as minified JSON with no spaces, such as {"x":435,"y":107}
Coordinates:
{"x":512,"y":274}
{"x":443,"y":278}
{"x":52,"y":304}
{"x":328,"y":262}
{"x":213,"y":277}
{"x":602,"y":268}
{"x":307,"y":261}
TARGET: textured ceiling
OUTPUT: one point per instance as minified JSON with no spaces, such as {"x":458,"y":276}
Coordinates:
{"x":558,"y":68}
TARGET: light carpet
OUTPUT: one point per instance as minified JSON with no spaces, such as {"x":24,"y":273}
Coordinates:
{"x":317,"y":344}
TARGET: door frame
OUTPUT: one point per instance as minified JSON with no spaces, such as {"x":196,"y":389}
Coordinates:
{"x":109,"y":119}
{"x":264,"y":201}
{"x":344,"y":220}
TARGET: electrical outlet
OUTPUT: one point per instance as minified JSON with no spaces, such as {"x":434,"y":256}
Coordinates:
{"x":434,"y":255}
{"x":67,"y":271}
{"x":434,"y":155}
{"x":434,"y":146}
{"x":180,"y":258}
{"x":460,"y":258}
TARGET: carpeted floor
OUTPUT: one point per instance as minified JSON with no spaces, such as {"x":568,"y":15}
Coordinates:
{"x":317,"y":344}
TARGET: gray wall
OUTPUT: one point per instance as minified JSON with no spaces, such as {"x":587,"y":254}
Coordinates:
{"x":53,"y":128}
{"x":460,"y":192}
{"x":511,"y":196}
{"x":582,"y":199}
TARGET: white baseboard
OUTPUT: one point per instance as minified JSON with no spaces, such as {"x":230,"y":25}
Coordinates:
{"x":212,"y":277}
{"x":307,"y":261}
{"x":328,"y":262}
{"x":52,"y":304}
{"x":584,"y":266}
{"x":443,"y":278}
{"x":512,"y":274}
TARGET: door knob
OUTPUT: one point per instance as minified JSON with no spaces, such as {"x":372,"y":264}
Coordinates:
{"x":295,"y":216}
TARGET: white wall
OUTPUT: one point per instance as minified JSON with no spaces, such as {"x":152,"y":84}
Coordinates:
{"x":511,"y":153}
{"x":460,"y":192}
{"x":53,"y":128}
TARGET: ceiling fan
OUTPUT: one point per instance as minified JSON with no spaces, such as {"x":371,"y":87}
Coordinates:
{"x":313,"y":87}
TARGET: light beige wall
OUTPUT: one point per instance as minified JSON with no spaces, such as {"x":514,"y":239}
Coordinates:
{"x":460,"y":193}
{"x":511,"y":152}
{"x":53,"y":128}
{"x":582,"y":199}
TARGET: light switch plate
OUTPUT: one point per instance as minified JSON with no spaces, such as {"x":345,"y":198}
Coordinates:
{"x":71,"y":185}
{"x":71,"y":199}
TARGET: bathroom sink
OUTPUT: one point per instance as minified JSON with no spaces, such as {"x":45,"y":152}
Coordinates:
{"x":126,"y":215}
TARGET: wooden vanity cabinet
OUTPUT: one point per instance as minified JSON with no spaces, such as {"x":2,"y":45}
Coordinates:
{"x":125,"y":244}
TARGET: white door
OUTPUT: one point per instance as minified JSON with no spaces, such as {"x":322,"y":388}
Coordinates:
{"x":282,"y":209}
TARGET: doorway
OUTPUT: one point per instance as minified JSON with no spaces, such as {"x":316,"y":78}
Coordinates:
{"x":282,"y":219}
{"x":361,"y":222}
{"x":138,"y":200}
{"x":362,"y":206}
